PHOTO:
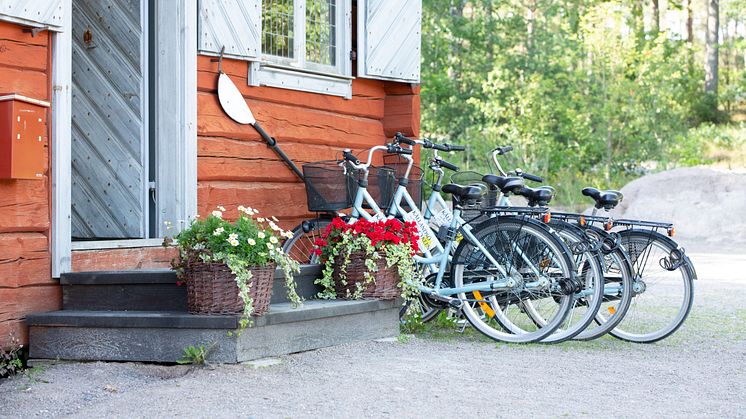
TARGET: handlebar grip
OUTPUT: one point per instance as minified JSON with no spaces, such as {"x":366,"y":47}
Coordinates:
{"x":531,"y":177}
{"x":440,"y":147}
{"x":402,"y":139}
{"x":348,"y":156}
{"x":404,"y":151}
{"x":503,"y":150}
{"x":457,"y":147}
{"x":443,"y":163}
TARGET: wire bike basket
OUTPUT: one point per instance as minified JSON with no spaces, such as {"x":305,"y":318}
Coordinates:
{"x":327,"y":186}
{"x":399,"y":165}
{"x":332,"y":186}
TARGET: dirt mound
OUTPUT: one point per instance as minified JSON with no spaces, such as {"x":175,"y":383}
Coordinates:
{"x":708,"y":206}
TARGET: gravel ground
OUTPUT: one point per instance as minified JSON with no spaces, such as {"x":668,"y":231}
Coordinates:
{"x":699,"y":372}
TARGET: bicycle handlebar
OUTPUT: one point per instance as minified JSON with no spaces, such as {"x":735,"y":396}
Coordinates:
{"x":531,"y":177}
{"x":443,"y":163}
{"x":400,"y":138}
{"x":503,"y":150}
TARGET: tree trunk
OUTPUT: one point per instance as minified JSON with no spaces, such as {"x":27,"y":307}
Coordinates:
{"x":656,"y":17}
{"x":689,"y":22}
{"x":711,"y":48}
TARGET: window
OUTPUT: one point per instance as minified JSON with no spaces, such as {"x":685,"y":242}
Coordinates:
{"x":304,"y":34}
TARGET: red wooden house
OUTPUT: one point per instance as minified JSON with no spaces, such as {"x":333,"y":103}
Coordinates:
{"x":122,"y":132}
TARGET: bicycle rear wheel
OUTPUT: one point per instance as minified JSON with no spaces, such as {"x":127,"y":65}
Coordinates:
{"x":663,"y":287}
{"x":589,"y":271}
{"x":529,"y":254}
{"x":301,"y":246}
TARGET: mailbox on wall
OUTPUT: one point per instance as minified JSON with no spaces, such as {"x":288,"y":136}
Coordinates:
{"x":23,"y":133}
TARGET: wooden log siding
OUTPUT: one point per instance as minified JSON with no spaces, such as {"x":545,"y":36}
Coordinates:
{"x":235,"y":167}
{"x":26,"y":283}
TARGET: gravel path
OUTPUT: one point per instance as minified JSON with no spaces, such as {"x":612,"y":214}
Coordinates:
{"x":699,"y":372}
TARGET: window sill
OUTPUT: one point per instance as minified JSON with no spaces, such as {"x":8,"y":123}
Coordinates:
{"x":264,"y":74}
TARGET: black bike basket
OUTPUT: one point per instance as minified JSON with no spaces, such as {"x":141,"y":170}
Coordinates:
{"x":327,"y":186}
{"x":399,"y":165}
{"x":381,"y":185}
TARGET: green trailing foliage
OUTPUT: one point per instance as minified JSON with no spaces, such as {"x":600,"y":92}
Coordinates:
{"x":11,"y":358}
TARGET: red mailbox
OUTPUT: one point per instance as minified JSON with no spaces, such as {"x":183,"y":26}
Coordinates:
{"x":23,"y":134}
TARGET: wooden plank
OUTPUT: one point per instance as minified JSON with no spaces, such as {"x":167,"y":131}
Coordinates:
{"x":122,"y":259}
{"x":24,"y":205}
{"x":14,"y":32}
{"x":407,"y":124}
{"x":31,"y":83}
{"x":14,"y":328}
{"x":282,"y":200}
{"x":395,"y":88}
{"x":254,"y":160}
{"x":19,"y":302}
{"x":290,"y":123}
{"x":367,"y":100}
{"x":401,"y":104}
{"x":24,"y":260}
{"x":23,"y":55}
{"x":131,"y":297}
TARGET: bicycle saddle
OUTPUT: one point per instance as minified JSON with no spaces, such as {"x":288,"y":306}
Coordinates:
{"x":463,"y":193}
{"x":604,"y":199}
{"x":540,"y":196}
{"x":504,"y":183}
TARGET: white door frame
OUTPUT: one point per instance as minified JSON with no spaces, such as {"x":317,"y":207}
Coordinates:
{"x":175,"y":126}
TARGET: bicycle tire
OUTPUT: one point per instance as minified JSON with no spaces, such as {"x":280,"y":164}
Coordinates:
{"x":498,"y":236}
{"x":652,"y":275}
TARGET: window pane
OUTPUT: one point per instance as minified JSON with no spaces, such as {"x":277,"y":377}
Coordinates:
{"x":277,"y":27}
{"x":321,"y":31}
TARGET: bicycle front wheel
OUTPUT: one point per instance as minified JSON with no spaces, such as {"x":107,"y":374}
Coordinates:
{"x":535,"y":263}
{"x":301,"y":246}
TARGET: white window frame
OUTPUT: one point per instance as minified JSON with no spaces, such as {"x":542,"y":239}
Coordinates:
{"x":297,"y":73}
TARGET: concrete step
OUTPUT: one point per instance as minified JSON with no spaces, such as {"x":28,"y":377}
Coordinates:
{"x":154,"y":290}
{"x":160,"y":336}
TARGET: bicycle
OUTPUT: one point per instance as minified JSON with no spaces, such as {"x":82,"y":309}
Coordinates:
{"x":532,"y":265}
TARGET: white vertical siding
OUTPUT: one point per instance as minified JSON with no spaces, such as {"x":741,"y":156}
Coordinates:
{"x":36,"y":12}
{"x":389,"y":39}
{"x":235,"y":24}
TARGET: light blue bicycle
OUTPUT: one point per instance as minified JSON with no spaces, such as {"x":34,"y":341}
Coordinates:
{"x":488,"y":271}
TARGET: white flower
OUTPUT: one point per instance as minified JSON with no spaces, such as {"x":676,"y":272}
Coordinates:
{"x":261,"y":220}
{"x":270,"y":246}
{"x":241,"y":208}
{"x":232,"y":237}
{"x":233,"y":243}
{"x":217,"y":214}
{"x":221,"y":208}
{"x":273,"y":240}
{"x":254,"y":210}
{"x":274,"y":226}
{"x":252,"y":242}
{"x":261,"y":235}
{"x":274,"y":219}
{"x":218,"y":231}
{"x":288,"y":234}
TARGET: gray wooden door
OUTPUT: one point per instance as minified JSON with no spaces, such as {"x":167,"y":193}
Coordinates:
{"x":108,"y":125}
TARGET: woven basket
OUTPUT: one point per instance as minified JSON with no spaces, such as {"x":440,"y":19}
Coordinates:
{"x":383,"y":288}
{"x":212,"y":289}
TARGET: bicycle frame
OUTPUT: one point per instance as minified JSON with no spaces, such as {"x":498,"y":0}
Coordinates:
{"x":439,"y":258}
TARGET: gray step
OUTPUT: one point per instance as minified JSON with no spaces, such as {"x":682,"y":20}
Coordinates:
{"x":162,"y":336}
{"x":154,"y":290}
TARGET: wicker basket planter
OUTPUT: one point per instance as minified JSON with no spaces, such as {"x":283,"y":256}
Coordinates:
{"x":383,"y":288}
{"x":212,"y":289}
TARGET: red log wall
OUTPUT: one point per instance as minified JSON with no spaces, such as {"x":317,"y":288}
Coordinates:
{"x":235,"y":166}
{"x":26,"y":283}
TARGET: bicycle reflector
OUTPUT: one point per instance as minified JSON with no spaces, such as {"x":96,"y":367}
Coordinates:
{"x":608,"y":225}
{"x":547,"y":217}
{"x":671,"y":232}
{"x":581,"y":221}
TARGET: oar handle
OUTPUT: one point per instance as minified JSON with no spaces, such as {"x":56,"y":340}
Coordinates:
{"x":273,"y":143}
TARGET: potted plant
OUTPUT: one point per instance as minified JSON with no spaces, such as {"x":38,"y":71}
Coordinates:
{"x":229,"y":267}
{"x":368,"y":259}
